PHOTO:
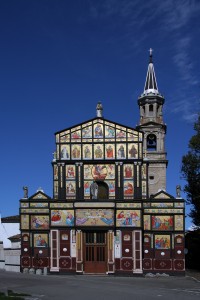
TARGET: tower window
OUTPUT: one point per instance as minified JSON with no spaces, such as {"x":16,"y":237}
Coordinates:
{"x":151,"y":110}
{"x":151,"y":142}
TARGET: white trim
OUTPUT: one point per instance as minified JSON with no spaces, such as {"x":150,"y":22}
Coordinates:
{"x":140,"y":271}
{"x":54,"y":269}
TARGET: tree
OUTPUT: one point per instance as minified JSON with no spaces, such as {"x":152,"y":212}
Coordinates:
{"x":190,"y":170}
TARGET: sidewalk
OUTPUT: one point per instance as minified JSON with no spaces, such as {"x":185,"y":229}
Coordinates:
{"x":193,"y":273}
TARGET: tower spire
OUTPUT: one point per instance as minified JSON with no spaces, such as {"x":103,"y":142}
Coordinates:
{"x":151,"y":123}
{"x":151,"y":83}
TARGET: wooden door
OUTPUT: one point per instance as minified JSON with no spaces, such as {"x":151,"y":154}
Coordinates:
{"x":95,"y":252}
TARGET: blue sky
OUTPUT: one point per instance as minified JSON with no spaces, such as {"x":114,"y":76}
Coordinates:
{"x":59,"y":58}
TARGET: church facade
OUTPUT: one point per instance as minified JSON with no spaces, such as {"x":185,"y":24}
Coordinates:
{"x":110,"y":212}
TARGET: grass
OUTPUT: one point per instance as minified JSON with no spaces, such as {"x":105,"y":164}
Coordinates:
{"x":12,"y":295}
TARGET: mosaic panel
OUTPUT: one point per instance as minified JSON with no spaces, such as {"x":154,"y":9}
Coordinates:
{"x":128,"y":171}
{"x":162,"y":241}
{"x":39,"y":222}
{"x":94,"y":217}
{"x":70,"y":171}
{"x":62,"y":217}
{"x":24,"y":221}
{"x":132,"y":151}
{"x":162,"y":222}
{"x":179,"y":224}
{"x":40,"y":240}
{"x":128,"y":218}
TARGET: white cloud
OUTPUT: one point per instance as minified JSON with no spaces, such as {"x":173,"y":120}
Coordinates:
{"x":184,"y":62}
{"x":169,"y":20}
{"x":178,"y":13}
{"x":187,"y":106}
{"x":193,"y":227}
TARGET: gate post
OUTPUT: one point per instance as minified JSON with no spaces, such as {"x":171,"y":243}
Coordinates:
{"x":111,"y":262}
{"x":79,"y":251}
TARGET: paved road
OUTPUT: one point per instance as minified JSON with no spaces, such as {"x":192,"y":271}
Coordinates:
{"x":79,"y":287}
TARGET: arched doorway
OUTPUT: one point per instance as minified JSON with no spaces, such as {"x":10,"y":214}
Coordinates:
{"x":103,"y":191}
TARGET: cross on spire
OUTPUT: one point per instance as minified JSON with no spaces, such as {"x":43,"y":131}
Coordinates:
{"x":150,"y":55}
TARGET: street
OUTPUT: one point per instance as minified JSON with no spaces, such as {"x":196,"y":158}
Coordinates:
{"x":78,"y":287}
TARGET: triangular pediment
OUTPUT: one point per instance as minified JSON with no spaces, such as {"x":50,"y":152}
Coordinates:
{"x":162,"y":195}
{"x":39,"y":196}
{"x":97,"y":128}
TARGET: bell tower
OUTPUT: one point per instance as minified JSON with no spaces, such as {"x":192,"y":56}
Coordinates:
{"x":151,"y":123}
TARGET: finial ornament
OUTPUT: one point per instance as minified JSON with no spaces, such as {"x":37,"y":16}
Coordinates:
{"x":178,"y":191}
{"x":99,"y":109}
{"x":25,"y":188}
{"x":150,"y":55}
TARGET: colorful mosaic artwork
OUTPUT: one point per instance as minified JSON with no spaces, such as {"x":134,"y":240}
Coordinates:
{"x":38,"y":204}
{"x":144,"y":171}
{"x":98,"y":151}
{"x":128,"y":171}
{"x":55,"y":168}
{"x":62,"y":217}
{"x":65,"y":152}
{"x":99,"y":172}
{"x":87,"y":151}
{"x":39,"y":222}
{"x":161,"y":204}
{"x":132,"y":151}
{"x":70,"y":171}
{"x":111,"y":185}
{"x":24,"y":221}
{"x":70,"y":188}
{"x":178,"y":222}
{"x":121,"y":151}
{"x":76,"y":151}
{"x":94,"y":217}
{"x":128,"y":188}
{"x":98,"y":130}
{"x":109,"y":132}
{"x":24,"y":204}
{"x":162,"y":241}
{"x":87,"y":188}
{"x":144,"y":188}
{"x":128,"y":205}
{"x":162,"y":222}
{"x":126,"y":218}
{"x":41,"y":240}
{"x":147,"y":223}
{"x":109,"y":151}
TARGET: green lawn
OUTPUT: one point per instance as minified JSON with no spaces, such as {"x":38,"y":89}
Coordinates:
{"x":12,"y":295}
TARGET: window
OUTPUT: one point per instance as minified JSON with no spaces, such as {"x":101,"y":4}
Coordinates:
{"x":151,"y":110}
{"x":151,"y":107}
{"x":151,"y":142}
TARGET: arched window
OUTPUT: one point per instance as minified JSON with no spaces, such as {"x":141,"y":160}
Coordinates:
{"x":151,"y":142}
{"x":102,"y":191}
